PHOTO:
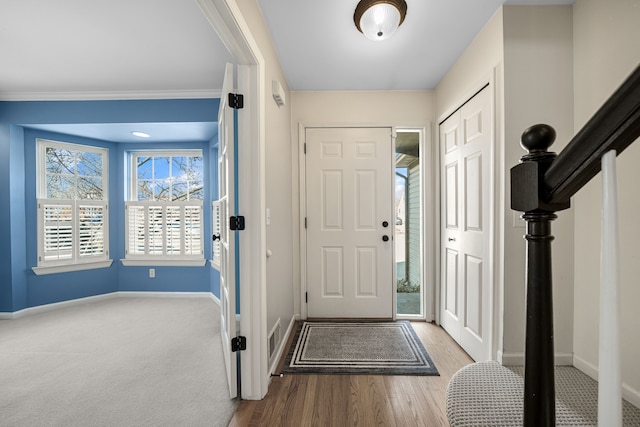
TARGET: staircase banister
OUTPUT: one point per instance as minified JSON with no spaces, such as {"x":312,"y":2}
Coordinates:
{"x":613,"y":127}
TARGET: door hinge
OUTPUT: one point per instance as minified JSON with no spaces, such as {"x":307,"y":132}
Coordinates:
{"x":306,"y":297}
{"x":236,"y":101}
{"x":305,"y":222}
{"x":236,"y":223}
{"x":305,"y":148}
{"x":238,"y":343}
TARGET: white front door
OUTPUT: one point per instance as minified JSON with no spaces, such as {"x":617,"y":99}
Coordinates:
{"x":349,"y":217}
{"x":226,"y":185}
{"x":465,"y":147}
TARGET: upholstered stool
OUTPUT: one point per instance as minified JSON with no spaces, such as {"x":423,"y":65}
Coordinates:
{"x":485,"y":394}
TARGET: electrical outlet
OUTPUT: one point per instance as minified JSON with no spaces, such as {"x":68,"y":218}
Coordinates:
{"x":152,"y":272}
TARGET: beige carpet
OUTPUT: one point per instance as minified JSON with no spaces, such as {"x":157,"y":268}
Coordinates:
{"x":117,"y":362}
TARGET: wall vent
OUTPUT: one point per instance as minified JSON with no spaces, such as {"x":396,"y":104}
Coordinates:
{"x":274,"y":339}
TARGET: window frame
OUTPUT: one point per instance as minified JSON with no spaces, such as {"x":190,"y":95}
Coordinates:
{"x":133,"y":169}
{"x":76,"y":261}
{"x":148,"y":259}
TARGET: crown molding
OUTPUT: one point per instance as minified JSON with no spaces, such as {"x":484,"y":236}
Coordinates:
{"x":109,"y":95}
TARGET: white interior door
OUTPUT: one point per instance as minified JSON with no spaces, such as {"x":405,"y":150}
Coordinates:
{"x":349,"y":198}
{"x":226,"y":183}
{"x":465,"y":142}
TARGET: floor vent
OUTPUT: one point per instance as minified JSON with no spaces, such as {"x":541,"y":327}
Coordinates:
{"x":274,"y":339}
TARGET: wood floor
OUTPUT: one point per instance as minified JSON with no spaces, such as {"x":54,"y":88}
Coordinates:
{"x":361,"y":400}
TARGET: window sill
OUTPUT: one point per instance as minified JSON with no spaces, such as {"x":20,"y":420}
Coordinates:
{"x":53,"y":269}
{"x":163,"y":262}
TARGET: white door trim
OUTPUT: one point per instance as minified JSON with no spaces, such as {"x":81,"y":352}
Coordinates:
{"x":496,"y":205}
{"x":302,"y":211}
{"x":229,"y":24}
{"x":430,"y":213}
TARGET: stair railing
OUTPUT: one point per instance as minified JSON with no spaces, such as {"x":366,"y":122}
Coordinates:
{"x":541,"y":185}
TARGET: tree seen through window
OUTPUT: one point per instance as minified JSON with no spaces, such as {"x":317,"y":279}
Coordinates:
{"x":169,"y":178}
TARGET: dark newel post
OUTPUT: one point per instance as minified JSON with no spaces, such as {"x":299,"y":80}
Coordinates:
{"x":539,"y":388}
{"x":528,"y":195}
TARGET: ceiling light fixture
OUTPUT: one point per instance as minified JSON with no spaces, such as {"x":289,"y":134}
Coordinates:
{"x":379,"y":19}
{"x":140,"y":134}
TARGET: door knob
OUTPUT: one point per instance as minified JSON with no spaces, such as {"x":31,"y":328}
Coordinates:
{"x":385,"y":238}
{"x":216,"y":237}
{"x":385,"y":224}
{"x":451,"y":239}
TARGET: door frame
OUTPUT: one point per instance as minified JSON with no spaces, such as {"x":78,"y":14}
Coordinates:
{"x":496,"y":205}
{"x":227,"y":20}
{"x":428,"y":217}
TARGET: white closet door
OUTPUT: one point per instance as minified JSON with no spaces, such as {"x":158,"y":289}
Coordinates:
{"x":465,"y":144}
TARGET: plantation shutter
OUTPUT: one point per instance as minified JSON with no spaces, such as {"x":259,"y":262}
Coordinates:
{"x":193,"y":230}
{"x":71,"y":231}
{"x":159,"y":229}
{"x":91,"y":230}
{"x":216,"y":228}
{"x":174,"y":231}
{"x":136,"y":230}
{"x":57,"y":222}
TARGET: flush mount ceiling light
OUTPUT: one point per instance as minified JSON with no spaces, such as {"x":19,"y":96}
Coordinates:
{"x":140,"y":134}
{"x":379,"y":19}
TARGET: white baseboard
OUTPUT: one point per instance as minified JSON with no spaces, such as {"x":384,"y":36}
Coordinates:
{"x":281,"y":346}
{"x":215,"y":299}
{"x":165,"y":294}
{"x":629,"y":393}
{"x":111,"y":295}
{"x":517,"y":359}
{"x":564,"y":359}
{"x":58,"y":305}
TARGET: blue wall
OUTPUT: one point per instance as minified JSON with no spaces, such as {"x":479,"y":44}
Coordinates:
{"x":19,"y":286}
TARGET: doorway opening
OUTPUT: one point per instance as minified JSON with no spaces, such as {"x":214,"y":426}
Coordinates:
{"x":408,"y":225}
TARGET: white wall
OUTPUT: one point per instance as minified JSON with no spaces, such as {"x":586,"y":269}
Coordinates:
{"x":278,"y":165}
{"x":474,"y":66}
{"x":528,"y":50}
{"x":361,"y":108}
{"x":538,"y":88}
{"x":607,"y":49}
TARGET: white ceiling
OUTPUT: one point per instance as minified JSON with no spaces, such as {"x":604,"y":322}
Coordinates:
{"x":66,"y":49}
{"x":123,"y":49}
{"x":121,"y":132}
{"x":321,"y":49}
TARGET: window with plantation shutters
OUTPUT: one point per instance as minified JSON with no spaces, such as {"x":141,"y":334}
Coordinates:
{"x":72,"y":207}
{"x":164,"y":211}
